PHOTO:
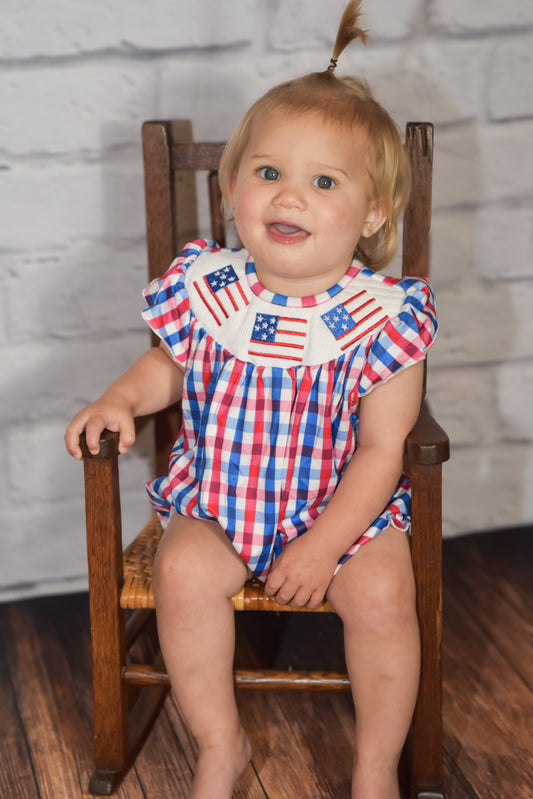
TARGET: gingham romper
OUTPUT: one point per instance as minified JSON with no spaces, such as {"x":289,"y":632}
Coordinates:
{"x":271,"y":389}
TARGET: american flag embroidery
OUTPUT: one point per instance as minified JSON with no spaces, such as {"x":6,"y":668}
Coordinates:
{"x":354,"y":319}
{"x":221,"y":293}
{"x":280,"y":337}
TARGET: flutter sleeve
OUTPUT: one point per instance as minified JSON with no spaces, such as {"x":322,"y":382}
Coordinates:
{"x":168,"y":311}
{"x":405,"y":338}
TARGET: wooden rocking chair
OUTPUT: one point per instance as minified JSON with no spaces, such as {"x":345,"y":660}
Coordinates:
{"x":129,"y":693}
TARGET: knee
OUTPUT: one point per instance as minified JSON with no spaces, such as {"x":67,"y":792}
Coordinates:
{"x":193,"y":564}
{"x":391,"y":600}
{"x":173,"y":572}
{"x":382,"y":600}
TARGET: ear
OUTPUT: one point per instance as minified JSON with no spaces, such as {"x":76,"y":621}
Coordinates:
{"x":376,"y":218}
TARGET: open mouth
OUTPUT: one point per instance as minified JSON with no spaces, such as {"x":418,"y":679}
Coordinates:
{"x":285,"y":233}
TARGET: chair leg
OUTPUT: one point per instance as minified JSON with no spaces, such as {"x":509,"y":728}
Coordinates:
{"x":104,"y":551}
{"x":426,"y":732}
{"x":110,"y":702}
{"x":123,"y":715}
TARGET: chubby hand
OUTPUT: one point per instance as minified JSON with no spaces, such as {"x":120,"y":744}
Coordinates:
{"x":110,"y":411}
{"x":301,"y":575}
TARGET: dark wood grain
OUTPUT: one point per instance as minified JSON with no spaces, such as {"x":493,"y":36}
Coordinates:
{"x":104,"y":546}
{"x":488,"y":640}
{"x":17,"y":778}
{"x":204,"y":156}
{"x":417,"y":215}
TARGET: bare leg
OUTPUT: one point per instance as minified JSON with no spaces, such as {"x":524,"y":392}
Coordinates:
{"x":196,"y":571}
{"x":374,"y":594}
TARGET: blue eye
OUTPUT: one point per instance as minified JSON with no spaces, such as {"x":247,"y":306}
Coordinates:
{"x":269,"y":173}
{"x":323,"y":182}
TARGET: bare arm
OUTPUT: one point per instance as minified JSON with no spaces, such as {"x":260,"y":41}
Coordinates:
{"x":154,"y":382}
{"x":386,"y":417}
{"x":303,"y":572}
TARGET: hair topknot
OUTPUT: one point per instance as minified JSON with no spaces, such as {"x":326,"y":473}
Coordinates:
{"x":348,"y":31}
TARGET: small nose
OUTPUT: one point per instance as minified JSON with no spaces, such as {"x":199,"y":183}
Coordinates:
{"x":290,"y":194}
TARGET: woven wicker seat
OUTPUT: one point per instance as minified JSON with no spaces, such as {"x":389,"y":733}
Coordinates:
{"x":121,"y":596}
{"x":138,"y":558}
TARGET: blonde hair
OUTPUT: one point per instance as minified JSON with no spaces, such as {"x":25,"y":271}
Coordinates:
{"x":346,"y":101}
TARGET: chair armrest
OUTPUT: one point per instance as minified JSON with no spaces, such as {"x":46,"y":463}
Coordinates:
{"x":109,"y":440}
{"x":108,"y":446}
{"x":427,"y":444}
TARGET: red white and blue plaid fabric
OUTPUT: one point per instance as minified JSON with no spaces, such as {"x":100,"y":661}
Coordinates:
{"x":271,"y":390}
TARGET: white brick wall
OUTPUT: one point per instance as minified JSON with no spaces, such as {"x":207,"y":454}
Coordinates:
{"x":77,"y":79}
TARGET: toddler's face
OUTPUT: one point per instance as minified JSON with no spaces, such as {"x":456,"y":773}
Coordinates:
{"x":302,"y":198}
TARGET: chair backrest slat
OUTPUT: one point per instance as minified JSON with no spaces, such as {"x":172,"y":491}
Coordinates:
{"x":159,"y":197}
{"x":417,"y":215}
{"x":197,"y":155}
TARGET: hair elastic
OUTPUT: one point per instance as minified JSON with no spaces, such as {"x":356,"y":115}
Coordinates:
{"x":332,"y":64}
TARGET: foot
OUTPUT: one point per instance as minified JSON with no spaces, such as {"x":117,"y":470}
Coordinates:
{"x":219,"y":766}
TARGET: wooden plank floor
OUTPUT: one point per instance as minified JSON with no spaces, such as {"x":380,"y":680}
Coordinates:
{"x":301,"y":741}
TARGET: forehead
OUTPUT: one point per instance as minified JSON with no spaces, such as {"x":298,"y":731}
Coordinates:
{"x":306,"y":134}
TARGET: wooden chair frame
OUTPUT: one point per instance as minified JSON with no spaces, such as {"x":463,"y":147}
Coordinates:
{"x":127,"y":695}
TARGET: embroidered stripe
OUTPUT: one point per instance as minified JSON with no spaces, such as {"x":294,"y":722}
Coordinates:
{"x":365,"y":333}
{"x":204,"y":300}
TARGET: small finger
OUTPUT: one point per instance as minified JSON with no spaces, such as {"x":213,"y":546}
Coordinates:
{"x":72,"y":441}
{"x":126,"y":436}
{"x":315,"y":600}
{"x":286,"y":595}
{"x":300,"y":599}
{"x":273,"y":584}
{"x":72,"y":445}
{"x":92,"y":436}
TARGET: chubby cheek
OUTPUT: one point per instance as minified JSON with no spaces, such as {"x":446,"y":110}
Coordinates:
{"x":241,"y":215}
{"x":340,"y":221}
{"x":246,"y":212}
